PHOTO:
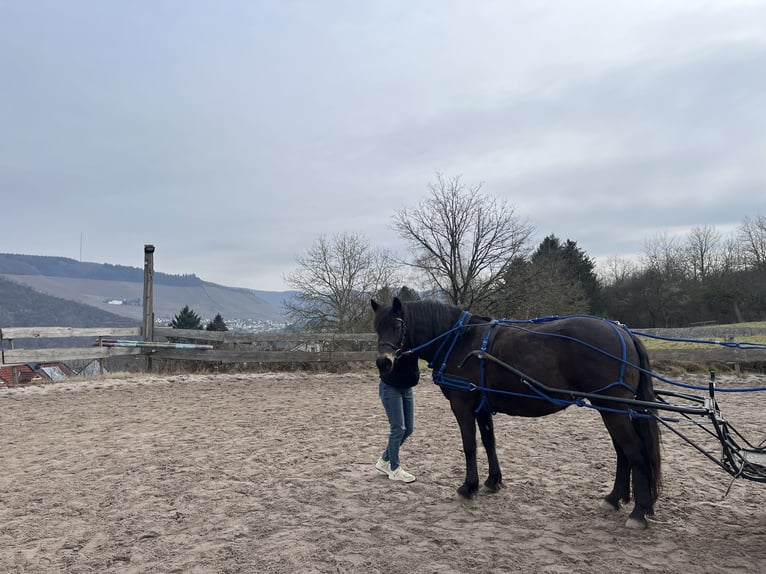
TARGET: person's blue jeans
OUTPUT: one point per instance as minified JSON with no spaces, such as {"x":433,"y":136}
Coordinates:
{"x":400,"y":409}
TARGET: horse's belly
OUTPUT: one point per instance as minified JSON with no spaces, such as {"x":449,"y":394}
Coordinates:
{"x":526,"y":407}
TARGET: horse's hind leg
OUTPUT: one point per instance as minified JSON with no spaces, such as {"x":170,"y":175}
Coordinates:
{"x":494,"y":481}
{"x":621,"y":490}
{"x":628,"y":442}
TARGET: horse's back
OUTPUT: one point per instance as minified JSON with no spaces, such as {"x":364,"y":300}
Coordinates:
{"x":580,"y":353}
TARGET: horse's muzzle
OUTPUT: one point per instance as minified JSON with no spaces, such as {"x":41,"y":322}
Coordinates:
{"x":384,"y":363}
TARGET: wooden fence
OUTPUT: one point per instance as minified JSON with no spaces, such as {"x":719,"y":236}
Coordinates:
{"x":228,"y":347}
{"x":708,"y":353}
{"x":11,"y":355}
{"x":233,"y":347}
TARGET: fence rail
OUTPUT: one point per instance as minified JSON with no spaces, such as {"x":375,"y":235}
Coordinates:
{"x":10,"y":355}
{"x":235,"y":347}
{"x":270,"y":347}
{"x":229,"y":347}
{"x":709,"y":355}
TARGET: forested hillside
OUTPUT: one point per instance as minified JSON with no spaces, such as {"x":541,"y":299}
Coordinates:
{"x":21,"y":306}
{"x":43,"y":291}
{"x":13,"y":264}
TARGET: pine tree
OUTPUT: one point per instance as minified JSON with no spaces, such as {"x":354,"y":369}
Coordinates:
{"x":573,"y":264}
{"x":217,"y":324}
{"x":407,"y":294}
{"x":186,"y":319}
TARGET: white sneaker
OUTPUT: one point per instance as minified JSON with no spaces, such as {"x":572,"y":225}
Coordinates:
{"x":401,"y":475}
{"x":384,"y":466}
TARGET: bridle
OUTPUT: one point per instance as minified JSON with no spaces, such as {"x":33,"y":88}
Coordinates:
{"x":397,"y":348}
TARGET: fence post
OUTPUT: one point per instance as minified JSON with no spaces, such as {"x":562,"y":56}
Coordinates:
{"x":148,"y":330}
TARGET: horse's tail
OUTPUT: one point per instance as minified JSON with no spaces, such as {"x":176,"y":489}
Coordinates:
{"x":647,"y":427}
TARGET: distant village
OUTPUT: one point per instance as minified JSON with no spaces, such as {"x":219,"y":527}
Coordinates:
{"x":236,"y":325}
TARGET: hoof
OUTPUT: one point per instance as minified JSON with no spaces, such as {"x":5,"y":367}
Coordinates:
{"x":637,"y":524}
{"x":466,"y":492}
{"x":493,"y":488}
{"x":608,"y":506}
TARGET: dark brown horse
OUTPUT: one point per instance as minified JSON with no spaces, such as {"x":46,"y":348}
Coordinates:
{"x":532,"y":369}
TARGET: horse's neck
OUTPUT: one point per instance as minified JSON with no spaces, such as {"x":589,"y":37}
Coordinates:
{"x":428,"y":327}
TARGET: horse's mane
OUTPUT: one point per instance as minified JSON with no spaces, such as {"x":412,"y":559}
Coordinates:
{"x":431,"y":308}
{"x":426,"y":318}
{"x":439,"y":311}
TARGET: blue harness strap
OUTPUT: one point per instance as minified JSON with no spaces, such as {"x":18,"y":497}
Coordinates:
{"x":439,"y":376}
{"x":538,"y":390}
{"x":485,"y":344}
{"x":449,"y":339}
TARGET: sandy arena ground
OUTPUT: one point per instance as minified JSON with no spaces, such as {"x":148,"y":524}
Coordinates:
{"x":274,"y":473}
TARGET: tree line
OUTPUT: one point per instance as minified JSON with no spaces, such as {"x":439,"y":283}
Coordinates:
{"x":473,"y":250}
{"x":16,"y":264}
{"x":186,"y":318}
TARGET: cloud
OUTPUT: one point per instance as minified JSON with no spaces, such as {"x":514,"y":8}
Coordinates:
{"x":231,"y":136}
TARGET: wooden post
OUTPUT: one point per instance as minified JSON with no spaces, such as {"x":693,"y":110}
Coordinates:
{"x":148,"y":300}
{"x":15,"y":374}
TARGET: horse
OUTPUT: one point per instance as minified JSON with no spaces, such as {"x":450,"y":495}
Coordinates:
{"x":533,"y":368}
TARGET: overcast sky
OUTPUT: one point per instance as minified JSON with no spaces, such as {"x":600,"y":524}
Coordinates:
{"x":232,"y":134}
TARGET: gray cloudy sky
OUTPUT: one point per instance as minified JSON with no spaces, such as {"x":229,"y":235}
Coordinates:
{"x":231,"y":134}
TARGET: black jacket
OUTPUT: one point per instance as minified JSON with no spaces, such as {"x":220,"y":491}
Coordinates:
{"x":405,"y":373}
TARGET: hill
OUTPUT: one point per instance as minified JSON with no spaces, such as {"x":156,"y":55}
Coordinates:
{"x":21,"y":306}
{"x":36,"y":288}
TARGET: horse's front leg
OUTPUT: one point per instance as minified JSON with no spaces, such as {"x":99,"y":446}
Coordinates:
{"x":466,"y":420}
{"x":486,"y":429}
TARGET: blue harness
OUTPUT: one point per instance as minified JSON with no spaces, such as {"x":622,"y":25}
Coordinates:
{"x":442,"y":378}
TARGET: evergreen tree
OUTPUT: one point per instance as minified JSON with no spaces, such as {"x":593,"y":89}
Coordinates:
{"x":186,"y":319}
{"x":408,"y":294}
{"x":217,"y":324}
{"x":538,"y":289}
{"x":573,"y":264}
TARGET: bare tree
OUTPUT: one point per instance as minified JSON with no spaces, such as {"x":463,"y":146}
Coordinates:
{"x":703,"y":252}
{"x":335,"y":279}
{"x":665,"y":257}
{"x":618,"y":277}
{"x":617,"y":270}
{"x":732,"y":257}
{"x":462,"y":240}
{"x":752,"y":236}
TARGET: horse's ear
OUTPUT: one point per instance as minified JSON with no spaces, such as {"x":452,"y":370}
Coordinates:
{"x":375,"y":305}
{"x":396,"y":306}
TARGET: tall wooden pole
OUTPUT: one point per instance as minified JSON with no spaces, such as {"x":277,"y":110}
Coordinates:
{"x":148,"y":330}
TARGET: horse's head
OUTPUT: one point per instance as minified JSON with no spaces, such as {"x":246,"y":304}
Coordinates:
{"x":389,"y":324}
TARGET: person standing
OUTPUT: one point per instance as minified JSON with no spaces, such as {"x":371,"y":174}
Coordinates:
{"x":396,"y":394}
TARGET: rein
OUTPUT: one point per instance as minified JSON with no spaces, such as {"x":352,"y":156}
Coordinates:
{"x":449,"y":339}
{"x":457,"y":328}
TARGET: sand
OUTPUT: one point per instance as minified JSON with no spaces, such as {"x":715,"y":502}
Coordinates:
{"x":273,"y":472}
